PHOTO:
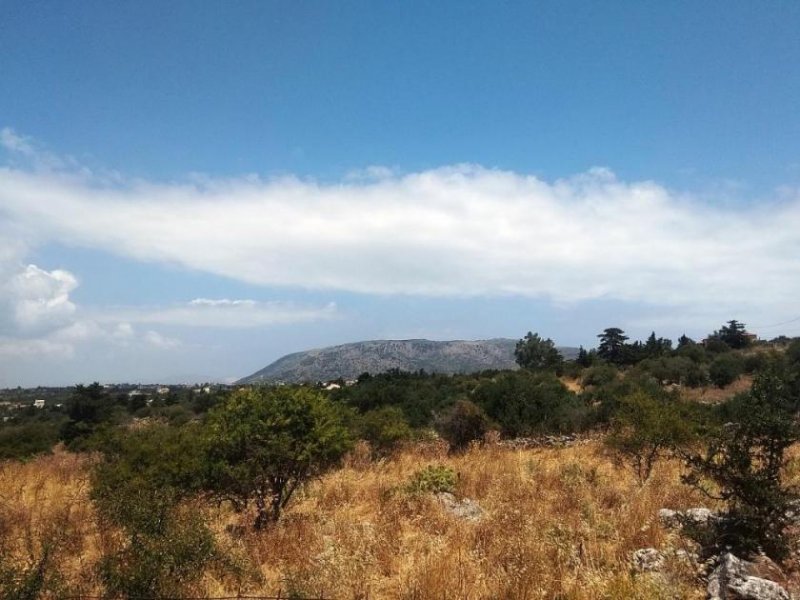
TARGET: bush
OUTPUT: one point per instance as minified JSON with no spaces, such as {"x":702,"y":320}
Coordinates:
{"x":463,"y":423}
{"x":25,"y":440}
{"x":266,"y":442}
{"x":725,"y":369}
{"x":384,"y":428}
{"x":524,"y":403}
{"x":599,"y":375}
{"x":143,"y":489}
{"x":433,"y":479}
{"x":645,"y":428}
{"x":742,"y":465}
{"x":165,"y":555}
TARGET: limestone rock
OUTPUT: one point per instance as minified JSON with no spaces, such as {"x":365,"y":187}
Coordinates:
{"x":646,"y":560}
{"x":732,"y":580}
{"x":466,"y":509}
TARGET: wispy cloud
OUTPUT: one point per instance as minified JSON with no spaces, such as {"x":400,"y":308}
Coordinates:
{"x":223,"y":313}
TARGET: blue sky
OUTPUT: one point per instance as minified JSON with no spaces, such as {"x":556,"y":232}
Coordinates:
{"x":190,"y":190}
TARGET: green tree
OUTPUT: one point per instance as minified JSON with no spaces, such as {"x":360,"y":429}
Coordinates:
{"x":584,"y":358}
{"x":612,"y":345}
{"x":743,"y":463}
{"x":266,"y":442}
{"x":645,"y":428}
{"x":535,"y":353}
{"x":733,"y":334}
{"x":87,"y":408}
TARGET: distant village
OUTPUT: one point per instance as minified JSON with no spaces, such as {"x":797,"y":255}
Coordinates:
{"x":17,"y":399}
{"x":13,"y":401}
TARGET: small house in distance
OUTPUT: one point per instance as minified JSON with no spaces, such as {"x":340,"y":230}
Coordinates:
{"x":38,"y":403}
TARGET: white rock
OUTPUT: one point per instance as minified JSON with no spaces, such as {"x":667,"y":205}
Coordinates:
{"x":466,"y":509}
{"x":647,"y":560}
{"x":731,"y":581}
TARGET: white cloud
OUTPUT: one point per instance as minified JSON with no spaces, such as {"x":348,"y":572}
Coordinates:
{"x":226,"y":313}
{"x":22,"y":348}
{"x":160,"y":341}
{"x":453,"y":231}
{"x":40,"y":299}
{"x":13,"y":142}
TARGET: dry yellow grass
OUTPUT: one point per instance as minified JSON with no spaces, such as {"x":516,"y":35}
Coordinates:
{"x":558,"y":523}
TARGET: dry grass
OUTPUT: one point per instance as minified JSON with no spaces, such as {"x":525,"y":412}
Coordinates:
{"x":558,"y":523}
{"x":714,"y":395}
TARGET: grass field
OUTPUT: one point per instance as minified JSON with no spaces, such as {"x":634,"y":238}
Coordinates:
{"x":557,"y":523}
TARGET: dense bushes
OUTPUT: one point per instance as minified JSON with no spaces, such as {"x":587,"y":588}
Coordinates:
{"x":524,"y":403}
{"x":725,"y":369}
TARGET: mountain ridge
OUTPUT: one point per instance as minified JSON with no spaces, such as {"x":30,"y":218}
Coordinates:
{"x":348,"y":361}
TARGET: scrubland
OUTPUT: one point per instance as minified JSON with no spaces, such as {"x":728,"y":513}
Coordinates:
{"x":557,"y":523}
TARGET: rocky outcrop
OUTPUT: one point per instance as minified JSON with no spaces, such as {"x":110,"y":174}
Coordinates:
{"x":466,"y":509}
{"x":648,"y":560}
{"x":691,"y":516}
{"x":733,"y":579}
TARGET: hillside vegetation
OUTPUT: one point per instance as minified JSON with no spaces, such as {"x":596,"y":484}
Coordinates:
{"x":541,"y":482}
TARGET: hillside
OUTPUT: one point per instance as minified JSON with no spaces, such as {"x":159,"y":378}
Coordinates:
{"x":348,"y":361}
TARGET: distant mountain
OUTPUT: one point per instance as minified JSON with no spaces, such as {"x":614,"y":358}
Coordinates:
{"x":348,"y":361}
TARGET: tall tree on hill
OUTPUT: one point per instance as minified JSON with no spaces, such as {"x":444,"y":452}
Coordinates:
{"x":612,"y":345}
{"x":734,"y":334}
{"x":536,"y":354}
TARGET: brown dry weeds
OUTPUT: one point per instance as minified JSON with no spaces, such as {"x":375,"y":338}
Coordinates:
{"x":558,"y":523}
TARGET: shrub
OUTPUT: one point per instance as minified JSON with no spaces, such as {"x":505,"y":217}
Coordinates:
{"x":165,"y":554}
{"x":265,"y":442}
{"x":725,"y":369}
{"x":26,"y":439}
{"x":645,"y":428}
{"x":143,"y":489}
{"x":463,"y":423}
{"x":433,"y":479}
{"x":743,"y":463}
{"x":524,"y":403}
{"x":598,"y":375}
{"x":384,"y":428}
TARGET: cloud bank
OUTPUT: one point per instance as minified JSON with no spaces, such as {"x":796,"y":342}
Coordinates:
{"x":453,"y":231}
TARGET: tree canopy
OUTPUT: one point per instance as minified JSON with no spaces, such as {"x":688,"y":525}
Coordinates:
{"x":534,"y":353}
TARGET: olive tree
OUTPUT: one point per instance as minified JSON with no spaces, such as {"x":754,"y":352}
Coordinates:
{"x":264,"y":443}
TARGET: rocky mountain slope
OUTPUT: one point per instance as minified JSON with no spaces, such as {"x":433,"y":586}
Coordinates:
{"x":348,"y":361}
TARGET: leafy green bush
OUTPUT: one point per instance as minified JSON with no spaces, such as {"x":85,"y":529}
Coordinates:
{"x":384,"y":428}
{"x":725,"y":369}
{"x":525,"y":403}
{"x":463,"y":423}
{"x":433,"y":479}
{"x":742,"y":465}
{"x":645,"y":428}
{"x":263,"y":443}
{"x":27,"y":439}
{"x":166,"y":554}
{"x":598,"y":375}
{"x":144,"y":489}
